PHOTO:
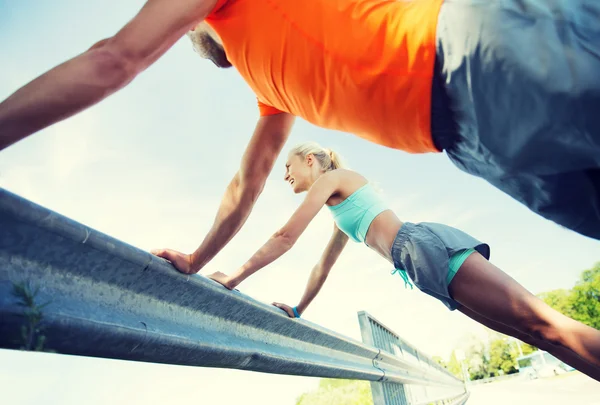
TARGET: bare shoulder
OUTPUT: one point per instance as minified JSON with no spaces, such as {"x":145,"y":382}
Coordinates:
{"x":342,"y":176}
{"x":347,"y":182}
{"x":347,"y":174}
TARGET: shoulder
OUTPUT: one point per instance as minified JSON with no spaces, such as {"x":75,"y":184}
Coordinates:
{"x":327,"y":180}
{"x":348,"y":179}
{"x":344,"y":174}
{"x":339,"y":181}
{"x":338,"y":176}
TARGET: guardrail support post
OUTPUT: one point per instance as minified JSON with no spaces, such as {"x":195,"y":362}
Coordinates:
{"x":383,"y":393}
{"x":375,"y":334}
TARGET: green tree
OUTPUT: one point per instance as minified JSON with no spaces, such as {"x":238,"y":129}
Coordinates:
{"x":502,"y":357}
{"x":32,"y":331}
{"x":561,"y":300}
{"x":581,"y":303}
{"x":586,"y":297}
{"x":454,"y":366}
{"x":478,"y":361}
{"x":504,"y":352}
{"x":338,"y":392}
{"x":439,"y":361}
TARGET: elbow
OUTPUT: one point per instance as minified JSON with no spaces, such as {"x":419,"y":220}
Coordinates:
{"x":112,"y":67}
{"x":286,"y":240}
{"x":250,"y":190}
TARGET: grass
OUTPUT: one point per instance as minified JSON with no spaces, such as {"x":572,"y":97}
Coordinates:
{"x":32,"y":336}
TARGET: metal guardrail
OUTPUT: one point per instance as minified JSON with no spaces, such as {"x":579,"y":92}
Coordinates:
{"x":109,"y":299}
{"x":450,"y":390}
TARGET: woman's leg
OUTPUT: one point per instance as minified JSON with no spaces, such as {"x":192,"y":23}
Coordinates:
{"x":486,"y":290}
{"x":559,"y":352}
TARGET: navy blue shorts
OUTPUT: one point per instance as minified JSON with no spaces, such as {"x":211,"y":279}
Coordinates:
{"x":516,"y":101}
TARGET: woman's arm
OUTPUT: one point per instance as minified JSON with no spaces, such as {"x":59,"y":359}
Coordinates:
{"x":286,"y":237}
{"x":320,"y":272}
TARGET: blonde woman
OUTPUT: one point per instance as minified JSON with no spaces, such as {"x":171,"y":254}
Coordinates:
{"x":441,"y":261}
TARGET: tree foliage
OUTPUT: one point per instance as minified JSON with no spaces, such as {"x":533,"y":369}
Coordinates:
{"x":338,"y":392}
{"x":32,"y":331}
{"x":581,"y":303}
{"x":504,"y":352}
{"x":586,"y":297}
{"x":561,"y":300}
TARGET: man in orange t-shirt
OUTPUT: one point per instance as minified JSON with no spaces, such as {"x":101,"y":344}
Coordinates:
{"x":509,"y":90}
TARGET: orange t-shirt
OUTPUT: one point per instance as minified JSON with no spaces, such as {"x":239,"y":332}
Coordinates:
{"x":358,"y":66}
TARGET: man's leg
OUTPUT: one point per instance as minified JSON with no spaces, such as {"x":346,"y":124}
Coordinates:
{"x":570,"y":199}
{"x":523,"y":86}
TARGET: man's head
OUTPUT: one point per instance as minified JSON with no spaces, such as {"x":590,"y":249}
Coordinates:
{"x":208,"y":45}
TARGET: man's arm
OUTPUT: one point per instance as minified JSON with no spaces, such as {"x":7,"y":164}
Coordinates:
{"x":100,"y":71}
{"x":320,"y":272}
{"x":270,"y":135}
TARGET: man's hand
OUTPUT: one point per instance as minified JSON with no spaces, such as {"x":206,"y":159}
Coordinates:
{"x":181,"y":261}
{"x":289,"y":310}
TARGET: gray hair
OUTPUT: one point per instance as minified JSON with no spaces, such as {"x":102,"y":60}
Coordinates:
{"x":208,"y":45}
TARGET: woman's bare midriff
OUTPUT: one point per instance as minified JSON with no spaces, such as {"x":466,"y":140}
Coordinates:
{"x":382,"y":232}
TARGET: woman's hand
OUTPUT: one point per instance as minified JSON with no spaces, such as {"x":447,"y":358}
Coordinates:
{"x":223,"y":279}
{"x":181,"y":261}
{"x":286,"y":308}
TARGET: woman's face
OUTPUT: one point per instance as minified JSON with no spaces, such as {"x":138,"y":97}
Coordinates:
{"x":298,"y":172}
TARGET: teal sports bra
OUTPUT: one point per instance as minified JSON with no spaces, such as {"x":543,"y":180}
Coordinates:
{"x":354,"y":215}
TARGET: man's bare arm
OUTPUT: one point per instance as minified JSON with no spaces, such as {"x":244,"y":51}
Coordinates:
{"x":100,"y":71}
{"x":270,"y":135}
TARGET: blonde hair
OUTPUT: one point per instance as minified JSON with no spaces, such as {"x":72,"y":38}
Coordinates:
{"x":328,"y":159}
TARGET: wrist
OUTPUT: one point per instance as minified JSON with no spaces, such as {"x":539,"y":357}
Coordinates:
{"x":233,"y":283}
{"x":196,"y":262}
{"x":236,"y":278}
{"x":193,"y":268}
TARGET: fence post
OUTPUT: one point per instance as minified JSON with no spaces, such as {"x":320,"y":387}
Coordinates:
{"x":383,"y":393}
{"x":375,"y":334}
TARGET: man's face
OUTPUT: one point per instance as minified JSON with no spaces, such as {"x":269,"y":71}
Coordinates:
{"x":208,"y":45}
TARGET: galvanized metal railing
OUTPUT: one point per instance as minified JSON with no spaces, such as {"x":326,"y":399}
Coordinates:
{"x":109,"y":299}
{"x":376,"y":334}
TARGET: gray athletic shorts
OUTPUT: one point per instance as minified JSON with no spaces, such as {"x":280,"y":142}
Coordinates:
{"x":423,"y":251}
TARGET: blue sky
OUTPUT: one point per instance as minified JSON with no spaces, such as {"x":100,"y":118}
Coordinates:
{"x":149,"y":166}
